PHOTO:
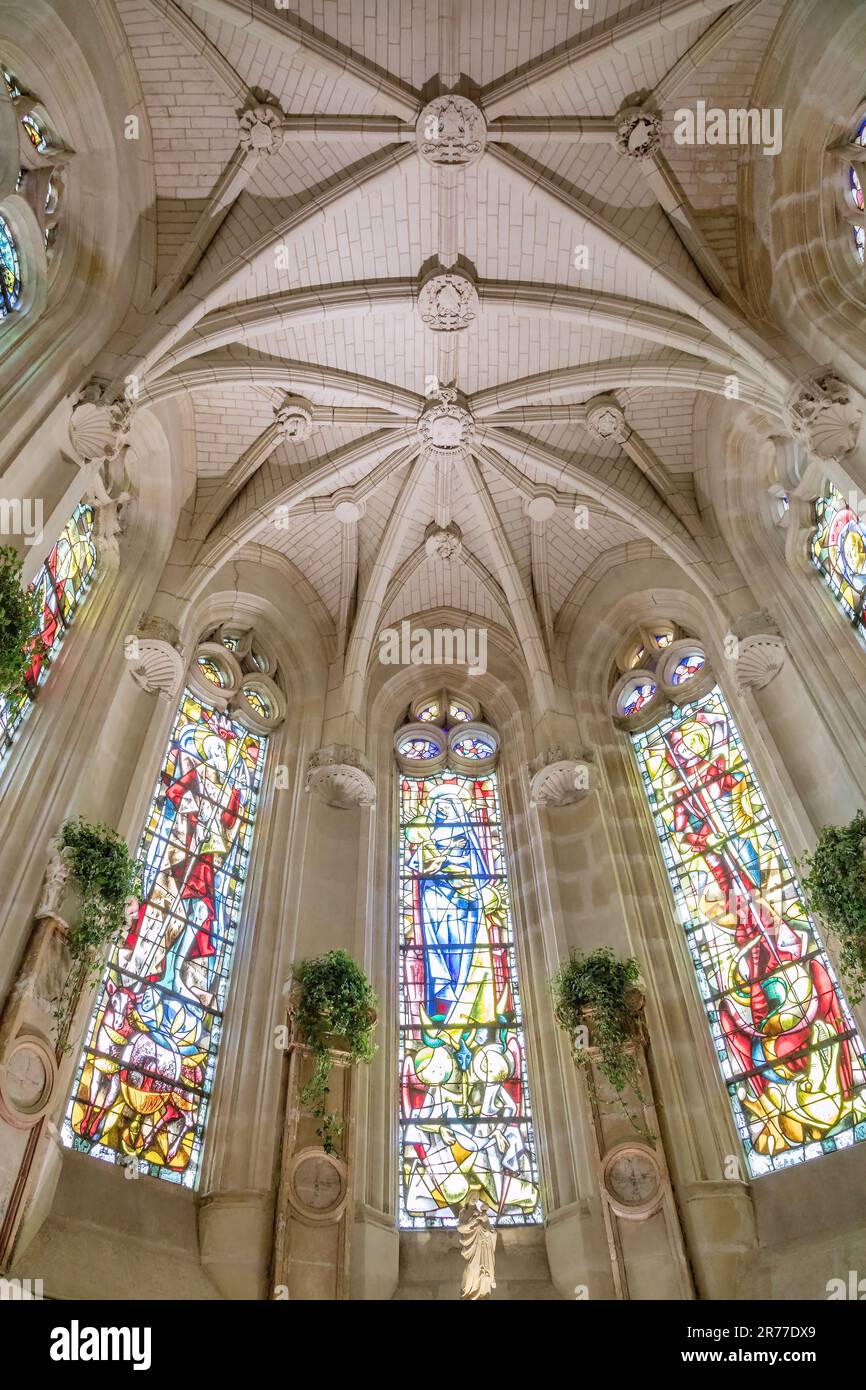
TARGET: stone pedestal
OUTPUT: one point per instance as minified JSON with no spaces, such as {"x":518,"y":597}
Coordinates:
{"x":313,"y":1224}
{"x":645,"y":1242}
{"x":35,"y":1069}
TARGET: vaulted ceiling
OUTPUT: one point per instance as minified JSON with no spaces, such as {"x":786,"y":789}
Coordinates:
{"x":468,"y":212}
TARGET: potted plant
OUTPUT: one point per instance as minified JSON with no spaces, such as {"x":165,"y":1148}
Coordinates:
{"x":834,"y":887}
{"x":597,"y":1002}
{"x":104,"y":877}
{"x":334,"y":1009}
{"x":19,"y":623}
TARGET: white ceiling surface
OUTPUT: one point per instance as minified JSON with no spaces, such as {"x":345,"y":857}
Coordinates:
{"x":389,"y":227}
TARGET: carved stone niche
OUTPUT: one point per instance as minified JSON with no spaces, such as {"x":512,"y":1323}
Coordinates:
{"x":760,"y":651}
{"x":560,"y":776}
{"x":822,"y":416}
{"x":644,"y":1237}
{"x":340,"y":776}
{"x":313,"y":1224}
{"x":154,"y":657}
{"x":451,"y":130}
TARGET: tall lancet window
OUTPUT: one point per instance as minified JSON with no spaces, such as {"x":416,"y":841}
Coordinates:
{"x":838,"y":551}
{"x":61,"y":586}
{"x":146,"y":1073}
{"x":785,"y":1040}
{"x":465,"y":1117}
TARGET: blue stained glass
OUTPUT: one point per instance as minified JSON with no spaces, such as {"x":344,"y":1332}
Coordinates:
{"x":466,"y":1123}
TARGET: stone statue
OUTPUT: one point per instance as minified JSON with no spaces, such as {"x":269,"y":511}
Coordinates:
{"x":54,"y":882}
{"x":477,"y":1246}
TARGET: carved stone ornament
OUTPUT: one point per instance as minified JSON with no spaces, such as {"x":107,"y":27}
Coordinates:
{"x":98,"y":428}
{"x":822,"y":416}
{"x":445,"y":426}
{"x":605,"y":419}
{"x":340,"y":776}
{"x":760,"y":652}
{"x":155,"y":665}
{"x":448,"y":302}
{"x":451,"y":130}
{"x":54,"y":883}
{"x":294,"y":419}
{"x":443,"y":542}
{"x":478,"y":1248}
{"x":261,"y":130}
{"x":559,"y":776}
{"x":109,"y":501}
{"x":638,"y":132}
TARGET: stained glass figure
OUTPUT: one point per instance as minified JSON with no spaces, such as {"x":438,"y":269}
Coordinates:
{"x":10,"y":271}
{"x":635,"y":694}
{"x":785,"y":1040}
{"x":419,"y":748}
{"x":210,"y":670}
{"x":61,"y":585}
{"x":838,"y":550}
{"x":686,"y":667}
{"x":146,"y":1073}
{"x":466,"y":1124}
{"x":473,"y":747}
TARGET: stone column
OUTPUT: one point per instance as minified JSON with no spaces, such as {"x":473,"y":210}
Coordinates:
{"x":645,"y":1240}
{"x":313,"y":1226}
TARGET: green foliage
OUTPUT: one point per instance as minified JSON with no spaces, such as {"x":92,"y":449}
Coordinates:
{"x":334,"y":1006}
{"x":105,"y":875}
{"x":19,"y":622}
{"x":594,"y":991}
{"x":835,"y":890}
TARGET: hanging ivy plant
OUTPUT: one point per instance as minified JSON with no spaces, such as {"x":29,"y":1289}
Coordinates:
{"x":105,"y":876}
{"x":835,"y":890}
{"x":333,"y":1006}
{"x":596,"y":998}
{"x":19,"y":622}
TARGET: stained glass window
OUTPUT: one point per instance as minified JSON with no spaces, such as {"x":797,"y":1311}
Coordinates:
{"x":686,"y":667}
{"x":458,"y":713}
{"x":465,"y":1115}
{"x":419,"y":748}
{"x":146,"y":1073}
{"x":856,"y":187}
{"x":635,"y":694}
{"x":10,"y":271}
{"x":258,"y":701}
{"x":785,"y":1040}
{"x":838,"y":550}
{"x":61,"y":584}
{"x":36,"y":133}
{"x":210,"y":670}
{"x":429,"y":712}
{"x":474,"y":747}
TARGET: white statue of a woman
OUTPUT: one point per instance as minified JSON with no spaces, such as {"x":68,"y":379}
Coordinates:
{"x":477,"y":1246}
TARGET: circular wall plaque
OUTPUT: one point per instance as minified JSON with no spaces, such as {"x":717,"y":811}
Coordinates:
{"x":633,"y":1181}
{"x":317,"y":1184}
